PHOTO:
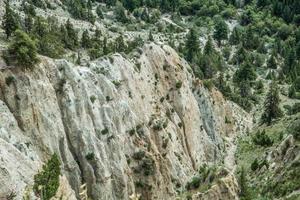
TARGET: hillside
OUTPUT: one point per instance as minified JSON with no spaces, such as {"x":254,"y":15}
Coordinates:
{"x":133,"y":99}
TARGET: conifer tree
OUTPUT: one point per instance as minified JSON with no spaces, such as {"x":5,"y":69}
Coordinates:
{"x":221,"y":31}
{"x":105,"y":48}
{"x":272,"y":109}
{"x":151,"y":38}
{"x":120,"y":45}
{"x":99,"y":12}
{"x":130,"y":4}
{"x":10,"y":20}
{"x":245,"y":73}
{"x":85,"y":39}
{"x":271,"y":63}
{"x":235,"y":37}
{"x":120,"y":13}
{"x":164,"y":5}
{"x":192,"y":45}
{"x":209,"y":48}
{"x":28,"y":22}
{"x":174,"y":4}
{"x":72,"y":37}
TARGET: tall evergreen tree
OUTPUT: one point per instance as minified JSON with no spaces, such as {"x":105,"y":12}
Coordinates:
{"x":72,"y":40}
{"x":192,"y":45}
{"x":272,"y":63}
{"x":10,"y":20}
{"x":120,"y":45}
{"x":120,"y":13}
{"x":209,"y":48}
{"x":28,"y":22}
{"x":235,"y":37}
{"x":99,"y":12}
{"x":221,"y":31}
{"x":151,"y":38}
{"x":245,"y":73}
{"x":85,"y":39}
{"x":105,"y":47}
{"x":272,"y":109}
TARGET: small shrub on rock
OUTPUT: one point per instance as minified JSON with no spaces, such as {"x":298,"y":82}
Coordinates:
{"x":46,"y":182}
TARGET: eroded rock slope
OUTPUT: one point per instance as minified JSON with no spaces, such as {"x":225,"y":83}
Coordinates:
{"x":122,"y":126}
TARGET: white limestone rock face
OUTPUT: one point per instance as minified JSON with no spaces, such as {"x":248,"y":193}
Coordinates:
{"x":122,"y":128}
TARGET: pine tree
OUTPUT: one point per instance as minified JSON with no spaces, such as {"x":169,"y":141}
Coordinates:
{"x":209,"y":48}
{"x":130,"y":4}
{"x":289,"y":61}
{"x":91,"y":17}
{"x":85,"y":39}
{"x":40,"y":27}
{"x":120,"y":45}
{"x":105,"y":48}
{"x":272,"y":109}
{"x":240,"y":56}
{"x":164,"y":5}
{"x":235,"y":37}
{"x":120,"y":13}
{"x":78,"y":61}
{"x":151,"y":38}
{"x":245,"y":73}
{"x":23,"y":50}
{"x":28,"y":22}
{"x":271,"y":63}
{"x":10,"y":20}
{"x":221,"y":31}
{"x":99,"y":12}
{"x":174,"y":4}
{"x":72,"y":40}
{"x":192,"y":45}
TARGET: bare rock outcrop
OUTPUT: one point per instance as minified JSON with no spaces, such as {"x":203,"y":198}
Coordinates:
{"x":121,"y":126}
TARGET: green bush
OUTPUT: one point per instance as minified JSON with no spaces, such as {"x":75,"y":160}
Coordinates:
{"x":139,"y":155}
{"x":93,"y":98}
{"x":9,"y":80}
{"x":105,"y":131}
{"x":294,"y":129}
{"x":179,"y":84}
{"x":194,"y":183}
{"x":90,"y":156}
{"x":46,"y":182}
{"x":22,"y":50}
{"x":255,"y":165}
{"x":262,"y":139}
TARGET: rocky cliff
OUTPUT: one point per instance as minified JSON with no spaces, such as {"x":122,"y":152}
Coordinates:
{"x":122,"y":126}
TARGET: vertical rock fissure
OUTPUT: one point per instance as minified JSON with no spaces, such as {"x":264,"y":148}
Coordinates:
{"x":187,"y":142}
{"x":70,"y":146}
